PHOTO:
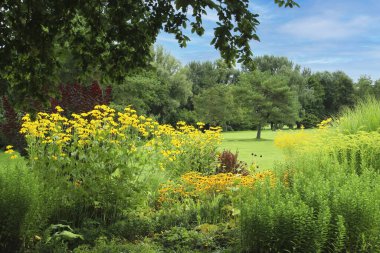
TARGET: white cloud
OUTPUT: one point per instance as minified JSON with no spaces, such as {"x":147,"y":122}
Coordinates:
{"x":323,"y":27}
{"x":330,"y":60}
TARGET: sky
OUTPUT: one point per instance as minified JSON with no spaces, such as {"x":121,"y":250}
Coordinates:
{"x":320,"y":35}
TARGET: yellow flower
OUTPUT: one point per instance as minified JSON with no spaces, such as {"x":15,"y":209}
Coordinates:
{"x":58,"y":108}
{"x":13,"y":157}
{"x":9,"y":147}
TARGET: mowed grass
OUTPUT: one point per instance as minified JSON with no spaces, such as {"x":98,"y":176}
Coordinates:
{"x":262,"y":152}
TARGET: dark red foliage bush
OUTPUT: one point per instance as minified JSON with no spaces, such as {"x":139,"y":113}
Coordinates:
{"x":73,"y":98}
{"x":10,"y":126}
{"x":229,"y":163}
{"x":76,"y":98}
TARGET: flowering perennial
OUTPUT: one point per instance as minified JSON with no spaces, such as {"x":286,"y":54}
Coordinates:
{"x":194,"y":184}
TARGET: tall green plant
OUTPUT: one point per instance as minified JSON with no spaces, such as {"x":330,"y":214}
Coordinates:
{"x":314,"y":210}
{"x":21,"y":212}
{"x":364,"y":117}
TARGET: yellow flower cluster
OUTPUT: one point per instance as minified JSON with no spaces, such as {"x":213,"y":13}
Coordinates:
{"x":194,"y":184}
{"x":104,"y":125}
{"x":325,"y":123}
{"x":9,"y":150}
{"x":288,"y":139}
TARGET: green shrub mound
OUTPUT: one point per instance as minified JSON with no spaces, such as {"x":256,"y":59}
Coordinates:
{"x":20,"y":205}
{"x":320,"y":210}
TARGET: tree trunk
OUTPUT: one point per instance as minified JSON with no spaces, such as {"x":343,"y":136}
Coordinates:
{"x":258,"y":136}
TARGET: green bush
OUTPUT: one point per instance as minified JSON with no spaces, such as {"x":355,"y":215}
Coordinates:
{"x":310,"y":120}
{"x":99,"y":164}
{"x":203,"y":238}
{"x":133,"y":226}
{"x":364,"y":117}
{"x":102,"y":245}
{"x":21,"y":213}
{"x":321,"y":207}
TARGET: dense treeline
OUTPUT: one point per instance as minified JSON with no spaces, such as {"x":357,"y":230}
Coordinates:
{"x":272,"y":90}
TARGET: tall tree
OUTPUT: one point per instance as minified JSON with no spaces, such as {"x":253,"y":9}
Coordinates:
{"x":364,"y":87}
{"x":268,"y":97}
{"x":108,"y":37}
{"x":160,"y":90}
{"x":215,"y":106}
{"x":376,"y":89}
{"x":273,"y":64}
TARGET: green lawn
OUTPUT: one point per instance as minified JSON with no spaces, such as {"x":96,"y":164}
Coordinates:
{"x":246,"y":144}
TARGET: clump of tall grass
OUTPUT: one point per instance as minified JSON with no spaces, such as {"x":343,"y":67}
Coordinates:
{"x":364,"y":117}
{"x":320,"y":208}
{"x":21,"y":211}
{"x":329,"y":198}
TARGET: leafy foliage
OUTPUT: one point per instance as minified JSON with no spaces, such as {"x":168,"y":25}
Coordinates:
{"x":10,"y":125}
{"x":97,"y":37}
{"x":20,"y":206}
{"x":229,"y":163}
{"x":268,"y":98}
{"x":77,"y":98}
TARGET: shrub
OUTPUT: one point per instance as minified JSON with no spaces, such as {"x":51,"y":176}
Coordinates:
{"x":364,"y":117}
{"x":20,"y":206}
{"x":229,"y":163}
{"x":77,"y":98}
{"x":326,"y":210}
{"x":100,"y":163}
{"x":310,"y":120}
{"x":204,"y":238}
{"x":10,"y":125}
{"x":103,"y":245}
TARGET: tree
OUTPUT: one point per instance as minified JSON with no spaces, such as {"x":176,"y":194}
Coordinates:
{"x":338,"y":91}
{"x":108,"y":37}
{"x":364,"y":87}
{"x":376,"y":89}
{"x":268,"y":97}
{"x":208,"y":74}
{"x":160,"y":90}
{"x":215,"y":106}
{"x":273,"y":64}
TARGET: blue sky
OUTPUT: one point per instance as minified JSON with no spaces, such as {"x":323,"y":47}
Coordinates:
{"x":322,"y":35}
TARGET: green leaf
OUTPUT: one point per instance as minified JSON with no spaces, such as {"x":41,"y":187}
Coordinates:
{"x":67,"y":235}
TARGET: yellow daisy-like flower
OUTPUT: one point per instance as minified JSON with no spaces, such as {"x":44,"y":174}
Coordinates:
{"x":58,"y":108}
{"x":9,"y":147}
{"x":13,"y":157}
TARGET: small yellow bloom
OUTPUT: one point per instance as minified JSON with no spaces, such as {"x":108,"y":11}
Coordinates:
{"x":13,"y":157}
{"x":9,"y":151}
{"x":9,"y":147}
{"x":58,"y":108}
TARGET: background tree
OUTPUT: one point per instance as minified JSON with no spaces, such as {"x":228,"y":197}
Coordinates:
{"x":364,"y":87}
{"x":376,"y":89}
{"x":270,"y":63}
{"x":268,"y":97}
{"x":215,"y":106}
{"x":159,"y":90}
{"x":108,"y":37}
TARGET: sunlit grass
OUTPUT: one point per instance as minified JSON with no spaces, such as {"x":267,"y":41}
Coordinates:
{"x":262,"y":152}
{"x":364,"y":117}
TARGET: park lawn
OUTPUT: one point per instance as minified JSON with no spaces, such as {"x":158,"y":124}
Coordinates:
{"x":246,"y":144}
